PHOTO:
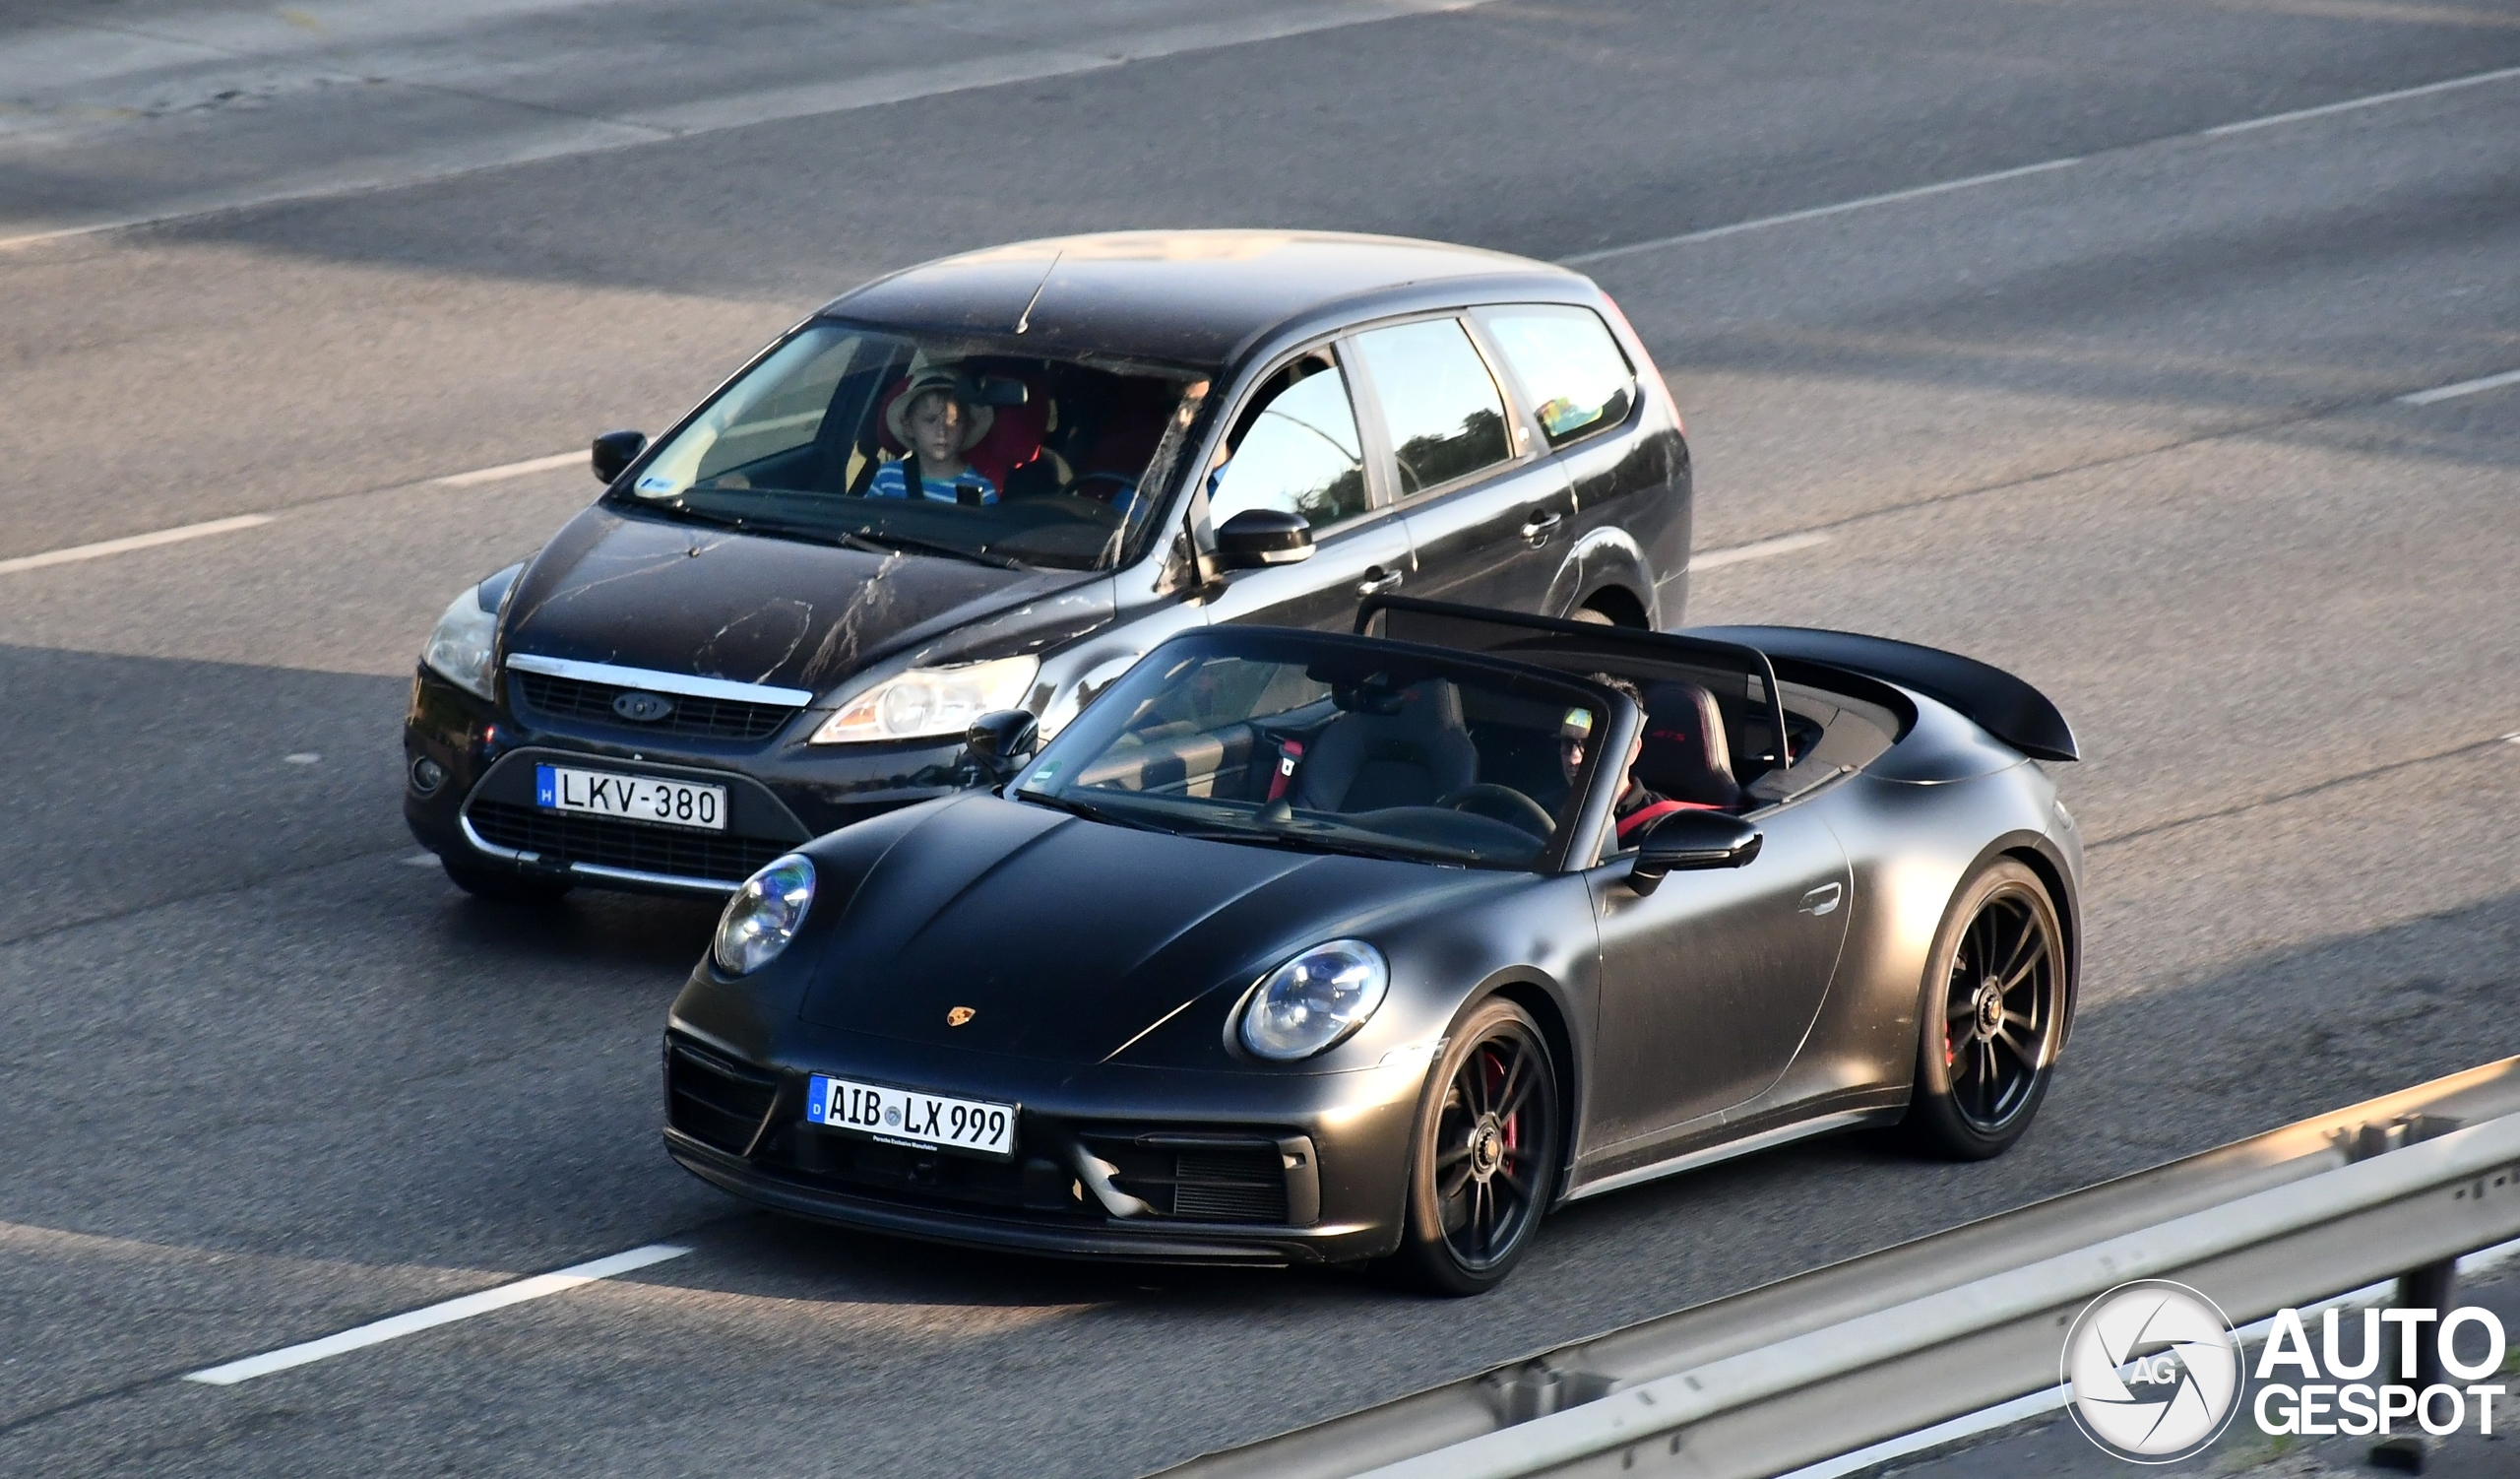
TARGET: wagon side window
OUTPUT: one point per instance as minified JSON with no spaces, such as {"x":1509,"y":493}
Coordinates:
{"x":1296,"y":449}
{"x":1439,"y":405}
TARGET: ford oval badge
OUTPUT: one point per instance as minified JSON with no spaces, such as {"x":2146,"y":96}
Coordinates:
{"x":643,"y":708}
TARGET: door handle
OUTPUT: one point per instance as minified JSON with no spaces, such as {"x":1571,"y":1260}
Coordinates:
{"x":1536,"y":528}
{"x":1822,"y":900}
{"x":1378,"y":580}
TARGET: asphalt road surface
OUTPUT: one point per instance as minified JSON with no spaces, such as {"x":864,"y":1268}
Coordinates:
{"x":2131,"y":426}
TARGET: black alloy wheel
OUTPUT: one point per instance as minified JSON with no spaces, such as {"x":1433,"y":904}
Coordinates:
{"x":1995,"y":1016}
{"x":1486,"y":1160}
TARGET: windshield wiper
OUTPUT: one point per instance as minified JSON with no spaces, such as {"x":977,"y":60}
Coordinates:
{"x":1311,"y":842}
{"x":891,"y":543}
{"x":1087,"y":809}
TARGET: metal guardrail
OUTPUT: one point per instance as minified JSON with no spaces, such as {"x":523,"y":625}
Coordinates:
{"x":1857,"y":1353}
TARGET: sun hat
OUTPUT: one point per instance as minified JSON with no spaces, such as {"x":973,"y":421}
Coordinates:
{"x":977,"y":419}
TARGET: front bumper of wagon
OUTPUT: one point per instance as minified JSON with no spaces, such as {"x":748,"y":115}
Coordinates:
{"x":463,"y":796}
{"x":1110,"y":1161}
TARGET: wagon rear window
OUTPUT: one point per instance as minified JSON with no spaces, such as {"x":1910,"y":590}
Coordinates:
{"x":1568,"y":364}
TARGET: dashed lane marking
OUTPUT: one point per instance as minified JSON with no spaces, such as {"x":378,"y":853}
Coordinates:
{"x":1717,"y":559}
{"x":507,"y":470}
{"x":465,"y":1307}
{"x":1971,"y":182}
{"x":2452,"y":392}
{"x":129,"y":542}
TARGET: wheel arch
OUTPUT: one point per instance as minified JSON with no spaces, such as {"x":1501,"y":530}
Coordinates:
{"x":1537,"y":997}
{"x":1620,"y":604}
{"x":1605,"y":560}
{"x":2036,"y":853}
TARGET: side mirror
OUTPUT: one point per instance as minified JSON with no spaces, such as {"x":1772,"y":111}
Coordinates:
{"x":1001,"y":740}
{"x":1258,"y":536}
{"x":1689,"y":840}
{"x":615,"y":450}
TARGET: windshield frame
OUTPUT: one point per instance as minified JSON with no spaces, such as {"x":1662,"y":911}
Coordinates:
{"x":1158,"y":488}
{"x":1585,"y":813}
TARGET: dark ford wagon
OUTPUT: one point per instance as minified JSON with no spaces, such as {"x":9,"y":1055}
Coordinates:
{"x":994,"y":482}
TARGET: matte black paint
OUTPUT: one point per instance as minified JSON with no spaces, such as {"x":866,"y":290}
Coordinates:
{"x":2001,"y":704}
{"x":1107,"y":966}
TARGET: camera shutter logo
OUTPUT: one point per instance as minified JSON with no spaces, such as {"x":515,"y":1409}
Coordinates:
{"x":2155,"y":1371}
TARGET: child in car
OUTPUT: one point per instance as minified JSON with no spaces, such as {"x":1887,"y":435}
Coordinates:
{"x":937,"y":422}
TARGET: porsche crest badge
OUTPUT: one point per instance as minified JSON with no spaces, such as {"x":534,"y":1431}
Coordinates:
{"x":959,"y":1015}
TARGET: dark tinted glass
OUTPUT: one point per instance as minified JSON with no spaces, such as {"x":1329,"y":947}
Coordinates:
{"x":1568,"y":364}
{"x":1440,"y":402}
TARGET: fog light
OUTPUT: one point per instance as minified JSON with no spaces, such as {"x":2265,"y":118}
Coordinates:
{"x":427,"y":775}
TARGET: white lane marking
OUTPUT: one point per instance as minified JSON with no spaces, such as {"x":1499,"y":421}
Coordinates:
{"x":420,"y":860}
{"x":2472,"y":80}
{"x":2463,"y":388}
{"x":507,"y":470}
{"x":1971,"y":182}
{"x":750,"y":106}
{"x":1717,"y":559}
{"x":129,"y":542}
{"x":303,"y":757}
{"x":395,"y":1328}
{"x":1916,"y":192}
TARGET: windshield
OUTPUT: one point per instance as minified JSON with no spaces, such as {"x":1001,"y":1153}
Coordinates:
{"x":930,"y":445}
{"x":1328,"y":745}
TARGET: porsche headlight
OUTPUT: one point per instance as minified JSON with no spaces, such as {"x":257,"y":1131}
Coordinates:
{"x":459,"y":650}
{"x":763,"y":916}
{"x":928,"y":702}
{"x":1314,"y":1001}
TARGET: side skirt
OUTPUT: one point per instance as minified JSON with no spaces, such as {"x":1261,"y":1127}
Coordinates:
{"x":1768,"y":1139}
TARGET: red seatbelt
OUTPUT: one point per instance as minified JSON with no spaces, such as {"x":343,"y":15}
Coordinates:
{"x":1652,"y":812}
{"x":1289,"y":756}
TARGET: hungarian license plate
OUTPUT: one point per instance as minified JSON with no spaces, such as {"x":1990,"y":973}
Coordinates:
{"x":671,"y":803}
{"x":907,"y":1116}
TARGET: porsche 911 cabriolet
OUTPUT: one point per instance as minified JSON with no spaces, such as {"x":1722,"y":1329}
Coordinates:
{"x":1308,"y":946}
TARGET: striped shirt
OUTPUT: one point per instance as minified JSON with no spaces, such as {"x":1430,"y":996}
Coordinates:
{"x":892,"y":482}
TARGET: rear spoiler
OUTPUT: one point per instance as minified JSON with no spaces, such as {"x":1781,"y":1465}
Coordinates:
{"x":1995,"y":700}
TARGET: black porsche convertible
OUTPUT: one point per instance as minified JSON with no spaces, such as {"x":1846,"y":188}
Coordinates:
{"x":1308,"y":946}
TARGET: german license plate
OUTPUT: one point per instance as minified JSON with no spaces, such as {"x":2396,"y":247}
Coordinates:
{"x":671,"y":803}
{"x":907,"y":1116}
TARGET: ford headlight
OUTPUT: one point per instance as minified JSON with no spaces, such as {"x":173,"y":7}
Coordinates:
{"x":763,"y":916}
{"x":928,"y":702}
{"x":459,"y":650}
{"x":1315,"y":1000}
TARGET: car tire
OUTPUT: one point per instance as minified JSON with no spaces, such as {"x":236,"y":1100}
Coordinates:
{"x":504,"y":885}
{"x":1488,"y":1132}
{"x":1994,"y":1016}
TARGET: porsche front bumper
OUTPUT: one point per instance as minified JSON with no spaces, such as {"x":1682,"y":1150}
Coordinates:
{"x":1139,"y":1164}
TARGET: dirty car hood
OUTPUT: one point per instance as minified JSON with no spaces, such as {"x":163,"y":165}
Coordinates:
{"x":643,"y":592}
{"x":1068,"y":939}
